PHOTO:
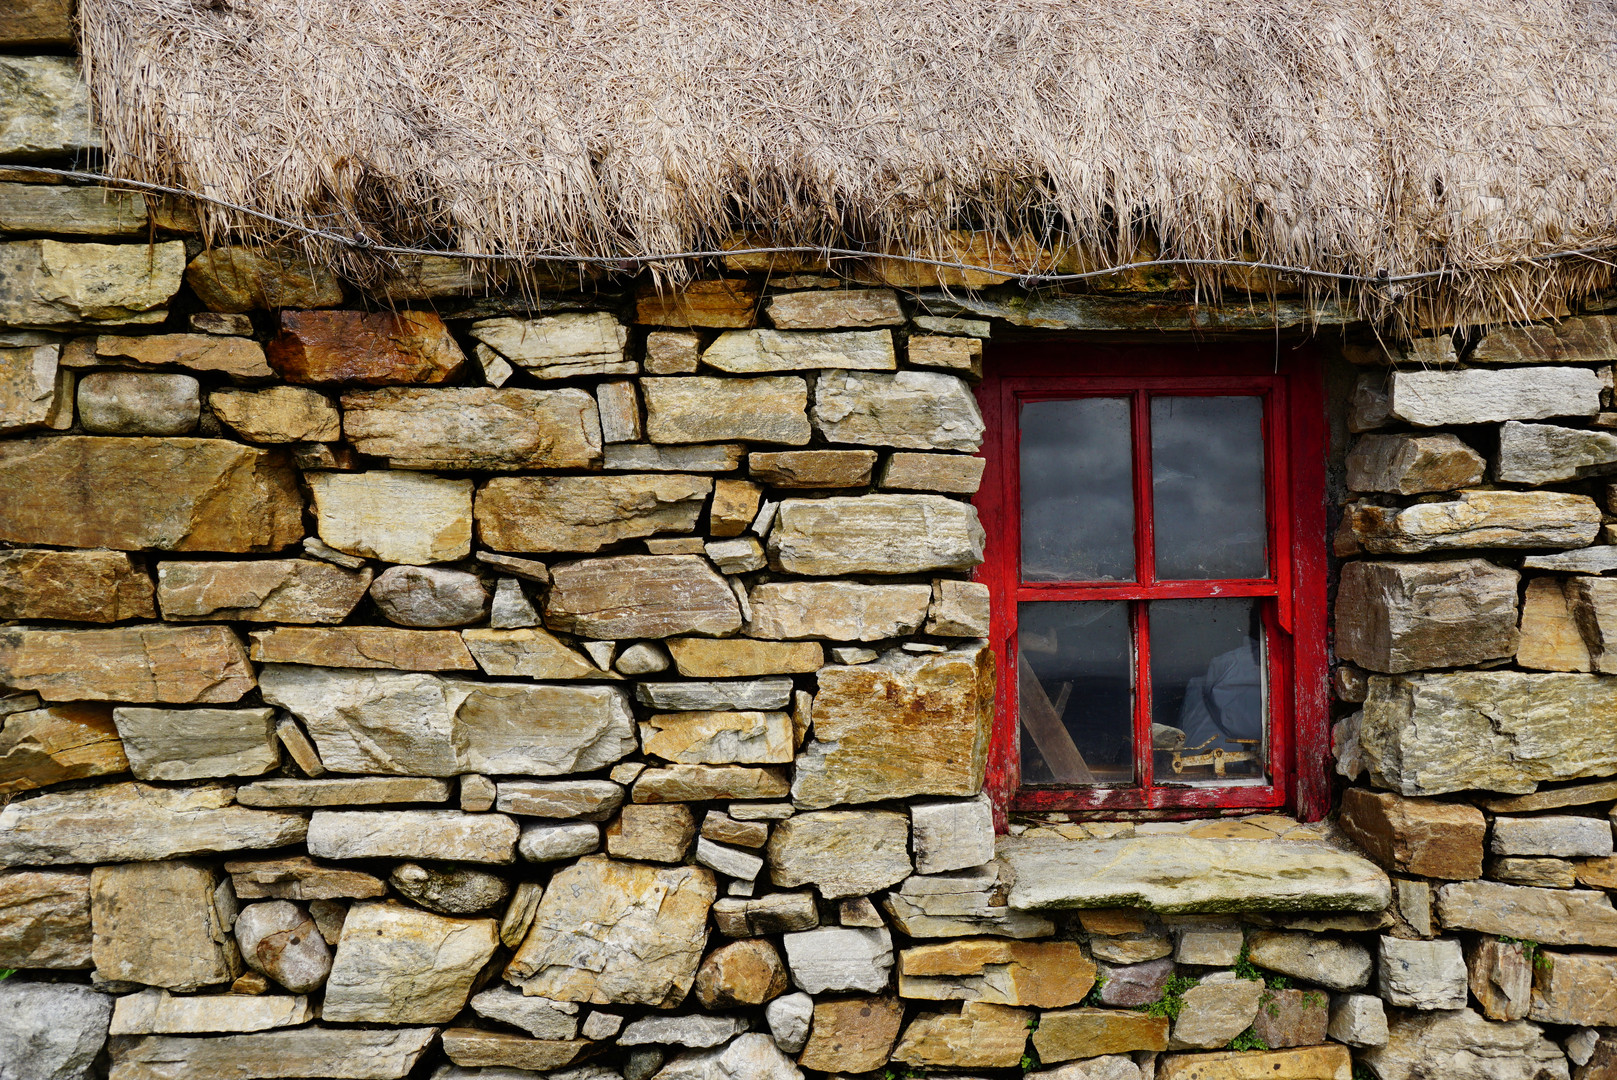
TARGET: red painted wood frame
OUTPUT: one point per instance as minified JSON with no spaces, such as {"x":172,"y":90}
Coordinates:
{"x":1295,"y":623}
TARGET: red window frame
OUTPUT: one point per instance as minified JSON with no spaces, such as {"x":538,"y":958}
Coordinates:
{"x":1295,"y":624}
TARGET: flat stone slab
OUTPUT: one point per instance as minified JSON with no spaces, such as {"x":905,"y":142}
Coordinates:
{"x":1177,"y":874}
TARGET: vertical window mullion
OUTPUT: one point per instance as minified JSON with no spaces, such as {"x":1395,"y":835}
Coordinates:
{"x":1145,"y":570}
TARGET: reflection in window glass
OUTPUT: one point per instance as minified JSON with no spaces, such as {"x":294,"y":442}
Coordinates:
{"x":1077,"y":491}
{"x":1074,"y":693}
{"x":1209,"y":707}
{"x":1207,"y":487}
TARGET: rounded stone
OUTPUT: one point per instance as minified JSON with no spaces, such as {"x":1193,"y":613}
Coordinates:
{"x":138,"y":403}
{"x":279,"y":939}
{"x":429,"y":596}
{"x":746,"y":972}
{"x":449,"y":890}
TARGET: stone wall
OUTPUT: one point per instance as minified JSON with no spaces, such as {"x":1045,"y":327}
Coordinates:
{"x":407,"y":682}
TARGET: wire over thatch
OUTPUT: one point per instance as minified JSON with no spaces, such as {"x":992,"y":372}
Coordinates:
{"x":1355,"y":136}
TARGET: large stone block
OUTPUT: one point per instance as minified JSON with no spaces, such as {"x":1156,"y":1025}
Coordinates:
{"x":278,"y":414}
{"x":838,"y":610}
{"x":1548,"y":454}
{"x":1548,"y":916}
{"x":368,"y":348}
{"x":849,"y":1035}
{"x":1589,"y":338}
{"x":400,"y":965}
{"x":299,"y":877}
{"x":529,"y":653}
{"x":158,"y":923}
{"x":722,"y":302}
{"x":875,"y":534}
{"x":195,"y":744}
{"x":41,"y":747}
{"x":586,"y":513}
{"x":1422,"y":974}
{"x":1494,"y":730}
{"x":938,"y":706}
{"x":1412,"y":464}
{"x":1500,"y":976}
{"x":157,"y":1012}
{"x":719,"y":738}
{"x":1334,"y":963}
{"x":828,"y":308}
{"x":1565,"y":836}
{"x":910,"y":410}
{"x":1575,"y":988}
{"x":702,"y":409}
{"x":1460,"y":1045}
{"x":77,"y":586}
{"x":1045,"y":974}
{"x":1403,"y":616}
{"x":1478,"y":519}
{"x":967,"y":903}
{"x":415,"y":724}
{"x":842,"y":852}
{"x":1551,"y":639}
{"x":1416,"y":836}
{"x":34,"y":391}
{"x":701,"y":783}
{"x":385,"y":647}
{"x":725,"y":658}
{"x":260,"y":590}
{"x":239,"y":357}
{"x":138,"y":403}
{"x":394,"y":516}
{"x":812,"y":468}
{"x":338,"y":1053}
{"x":412,"y":834}
{"x":46,"y":110}
{"x":1592,"y":604}
{"x":51,"y":1031}
{"x":45,"y":919}
{"x":169,"y":664}
{"x":237,"y":279}
{"x":752,"y":352}
{"x":1069,"y":1034}
{"x":37,"y":24}
{"x":171,"y":494}
{"x":1307,"y":1063}
{"x":979,"y":1036}
{"x":47,"y":283}
{"x":640,"y":596}
{"x":474,"y":427}
{"x":616,"y":932}
{"x":954,"y":473}
{"x":1480,"y":396}
{"x":559,"y":346}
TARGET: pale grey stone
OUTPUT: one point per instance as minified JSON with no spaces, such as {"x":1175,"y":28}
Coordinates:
{"x":1358,"y":1020}
{"x":412,"y":834}
{"x":697,"y":1031}
{"x":50,"y":1031}
{"x":343,"y":791}
{"x":875,"y":534}
{"x":1560,"y":835}
{"x":761,"y":811}
{"x":842,"y":852}
{"x":1548,"y":916}
{"x":771,"y":914}
{"x":193,"y":744}
{"x":837,"y":958}
{"x":46,"y":110}
{"x":1600,"y":559}
{"x":1334,"y":963}
{"x":560,"y":346}
{"x":539,"y":1017}
{"x":157,"y":1012}
{"x":619,"y":406}
{"x":339,"y":1053}
{"x":644,"y":457}
{"x":729,"y":861}
{"x":964,"y":903}
{"x":1461,"y":1045}
{"x":393,"y":515}
{"x":700,"y":409}
{"x":838,"y":610}
{"x":951,"y":834}
{"x":511,"y":610}
{"x":643,"y":658}
{"x":593,"y":800}
{"x":1412,"y":464}
{"x":1547,"y":454}
{"x":602,"y":1025}
{"x":1480,"y":396}
{"x":752,"y":352}
{"x":1214,"y":1012}
{"x":1105,"y":1067}
{"x":959,"y":609}
{"x":1423,"y":974}
{"x":937,"y":324}
{"x":739,"y":556}
{"x":399,"y":965}
{"x":549,"y":841}
{"x":138,"y":403}
{"x":449,"y":890}
{"x":34,"y":391}
{"x":429,"y":596}
{"x":847,"y":654}
{"x":1208,"y":945}
{"x":279,"y":940}
{"x":911,"y":410}
{"x":753,"y":1056}
{"x":788,"y":1018}
{"x":695,"y":696}
{"x":1478,"y":519}
{"x":1580,"y":1045}
{"x":1403,"y":616}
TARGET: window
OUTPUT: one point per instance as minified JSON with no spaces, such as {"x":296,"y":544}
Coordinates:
{"x":1156,"y":565}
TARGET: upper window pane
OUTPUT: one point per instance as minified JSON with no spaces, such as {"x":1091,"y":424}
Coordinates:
{"x":1207,"y":487}
{"x":1077,"y":491}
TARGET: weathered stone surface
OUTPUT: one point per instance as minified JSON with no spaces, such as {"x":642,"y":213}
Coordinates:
{"x":340,"y":1053}
{"x":1212,"y":945}
{"x":848,"y":1035}
{"x":38,"y":24}
{"x":1479,"y":396}
{"x":619,"y":406}
{"x":819,"y":309}
{"x":593,"y":800}
{"x":743,"y":973}
{"x":279,"y":940}
{"x":1599,"y":873}
{"x":875,"y":534}
{"x":1216,"y":1011}
{"x":1047,"y":975}
{"x":49,"y":283}
{"x":474,"y":428}
{"x":261,"y":590}
{"x":1178,"y":874}
{"x":833,"y":958}
{"x":1562,"y":835}
{"x":813,"y":468}
{"x":1133,"y":985}
{"x":529,"y":653}
{"x":278,"y":414}
{"x":539,"y":1017}
{"x":366,"y":348}
{"x":735,"y":505}
{"x":768,"y":693}
{"x":237,"y":279}
{"x":178,"y":494}
{"x":415,"y":724}
{"x":751,"y":352}
{"x":383,"y":647}
{"x":399,"y":965}
{"x":719,"y":738}
{"x":1548,"y":454}
{"x":1415,"y":836}
{"x":193,"y":744}
{"x":1069,"y":1034}
{"x":1310,"y":1063}
{"x":1500,"y":976}
{"x":640,"y":596}
{"x":158,"y":923}
{"x":299,"y":878}
{"x":843,"y":852}
{"x":1358,"y":1020}
{"x":1402,"y":616}
{"x":697,"y":409}
{"x":1493,"y":730}
{"x":939,"y":706}
{"x":1507,"y":519}
{"x":740,"y":866}
{"x":559,"y":346}
{"x":41,"y":747}
{"x":978,"y":1037}
{"x":586,"y":513}
{"x":1588,"y":338}
{"x":753,"y":1055}
{"x":1460,"y":1045}
{"x":44,"y":919}
{"x":955,"y":353}
{"x":79,"y":586}
{"x":1549,"y":916}
{"x":911,"y":410}
{"x":1600,"y":559}
{"x":781,"y":912}
{"x":1575,"y":988}
{"x":839,"y":610}
{"x":698,"y":783}
{"x":953,"y":473}
{"x":958,"y":609}
{"x":707,"y":658}
{"x":51,"y":1031}
{"x":1422,"y":974}
{"x":511,"y":608}
{"x":1548,"y":873}
{"x":626,"y":457}
{"x":671,"y":352}
{"x":157,"y":1012}
{"x":138,"y":663}
{"x":655,"y":833}
{"x":617,"y":932}
{"x":551,"y":841}
{"x":952,"y":834}
{"x":451,"y":890}
{"x":239,"y":357}
{"x":429,"y":596}
{"x":1131,"y":949}
{"x":412,"y":834}
{"x":34,"y":391}
{"x":1550,"y":637}
{"x":723,"y":302}
{"x":961,"y":904}
{"x":1411,"y":464}
{"x":1335,"y":963}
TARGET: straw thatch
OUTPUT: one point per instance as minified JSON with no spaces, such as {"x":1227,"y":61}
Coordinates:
{"x":1345,"y":135}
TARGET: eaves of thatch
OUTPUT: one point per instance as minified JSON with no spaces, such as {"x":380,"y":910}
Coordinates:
{"x":1468,"y":138}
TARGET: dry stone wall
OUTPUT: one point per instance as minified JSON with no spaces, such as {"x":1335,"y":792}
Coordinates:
{"x":409,"y":682}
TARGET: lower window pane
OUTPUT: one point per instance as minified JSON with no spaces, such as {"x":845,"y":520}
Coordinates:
{"x":1209,"y":700}
{"x":1074,"y":691}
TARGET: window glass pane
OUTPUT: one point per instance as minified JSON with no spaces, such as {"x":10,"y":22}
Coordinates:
{"x":1074,"y":693}
{"x":1207,"y":487}
{"x":1077,"y":491}
{"x":1209,"y":699}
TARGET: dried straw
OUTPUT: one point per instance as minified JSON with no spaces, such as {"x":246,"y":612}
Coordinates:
{"x":1346,"y":135}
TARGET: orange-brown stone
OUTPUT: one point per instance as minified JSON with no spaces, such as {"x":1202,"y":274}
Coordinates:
{"x":366,"y":348}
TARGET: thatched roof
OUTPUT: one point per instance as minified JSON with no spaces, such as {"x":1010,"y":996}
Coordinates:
{"x":1344,"y":135}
